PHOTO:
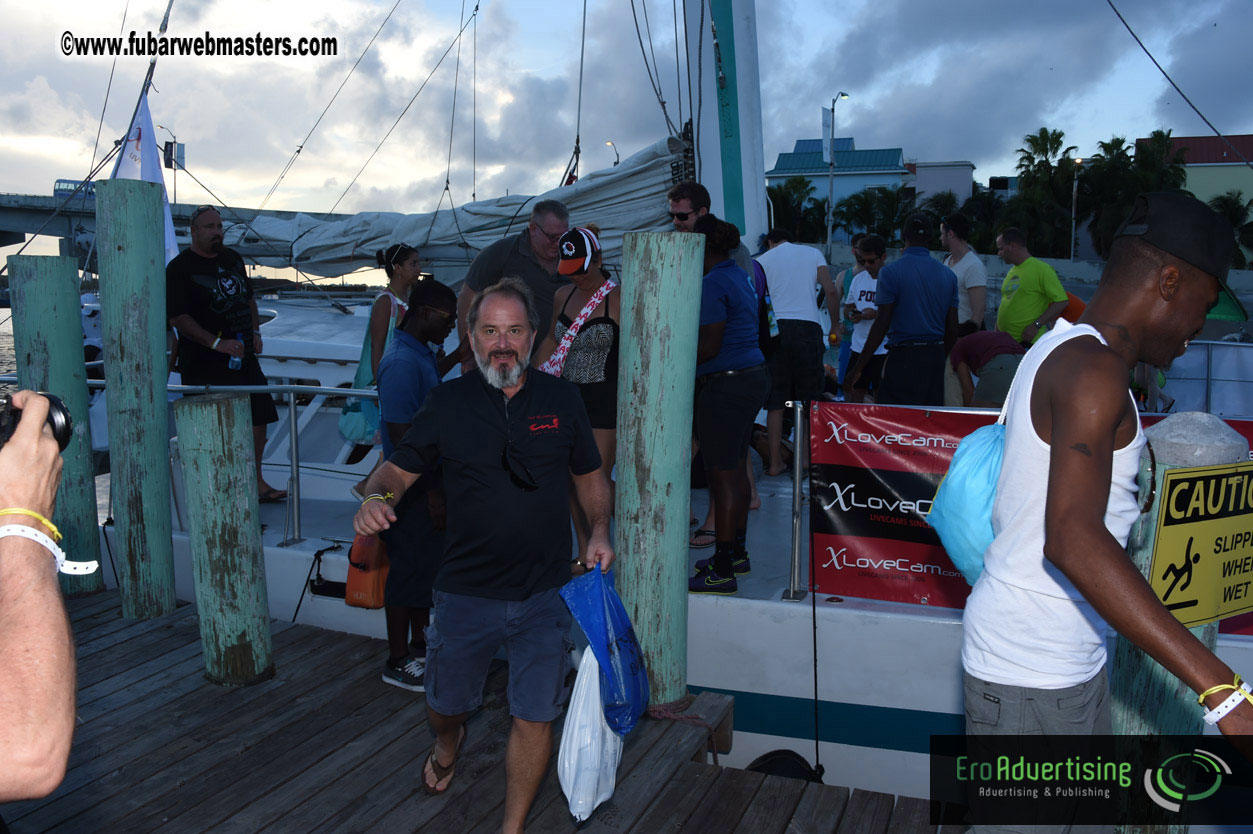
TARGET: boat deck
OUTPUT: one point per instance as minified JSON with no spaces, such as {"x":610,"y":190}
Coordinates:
{"x":325,"y":746}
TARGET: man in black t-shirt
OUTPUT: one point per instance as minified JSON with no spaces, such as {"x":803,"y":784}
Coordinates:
{"x":510,"y":441}
{"x":209,"y":301}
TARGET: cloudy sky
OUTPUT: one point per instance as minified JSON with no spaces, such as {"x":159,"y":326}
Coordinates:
{"x":963,"y":79}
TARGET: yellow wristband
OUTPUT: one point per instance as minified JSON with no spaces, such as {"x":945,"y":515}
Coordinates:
{"x":377,"y":497}
{"x":1200,"y":699}
{"x":52,"y":528}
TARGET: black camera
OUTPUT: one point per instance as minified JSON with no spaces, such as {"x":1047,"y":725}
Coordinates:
{"x":58,"y":419}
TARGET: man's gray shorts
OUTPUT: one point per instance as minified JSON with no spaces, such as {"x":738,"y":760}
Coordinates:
{"x":466,"y":633}
{"x":999,"y":709}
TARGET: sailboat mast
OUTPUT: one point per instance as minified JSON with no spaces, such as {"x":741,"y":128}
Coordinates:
{"x":728,"y":107}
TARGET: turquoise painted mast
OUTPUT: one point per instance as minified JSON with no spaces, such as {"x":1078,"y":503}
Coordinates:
{"x":730,"y":152}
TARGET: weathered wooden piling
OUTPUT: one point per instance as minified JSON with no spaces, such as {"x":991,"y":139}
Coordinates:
{"x":48,"y":342}
{"x":1147,"y":698}
{"x":661,"y":283}
{"x":228,"y":562}
{"x":131,"y":250}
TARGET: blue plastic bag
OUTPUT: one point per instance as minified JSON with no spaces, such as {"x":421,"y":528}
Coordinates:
{"x":962,"y":510}
{"x":596,"y":607}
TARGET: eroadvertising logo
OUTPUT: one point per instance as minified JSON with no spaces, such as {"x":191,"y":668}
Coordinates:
{"x":1165,"y":784}
{"x":1089,"y":780}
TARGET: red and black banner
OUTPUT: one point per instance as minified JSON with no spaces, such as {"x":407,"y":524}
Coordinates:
{"x":875,"y":470}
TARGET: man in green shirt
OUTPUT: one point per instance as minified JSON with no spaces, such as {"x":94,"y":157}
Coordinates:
{"x":1031,"y":296}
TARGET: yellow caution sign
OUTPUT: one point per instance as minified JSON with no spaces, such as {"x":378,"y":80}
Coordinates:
{"x":1202,"y":568}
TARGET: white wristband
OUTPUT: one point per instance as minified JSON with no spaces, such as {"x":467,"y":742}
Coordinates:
{"x":38,"y":536}
{"x":1219,"y":712}
{"x":214,"y":346}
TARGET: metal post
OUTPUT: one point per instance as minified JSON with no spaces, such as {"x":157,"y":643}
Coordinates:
{"x":661,"y":282}
{"x":132,"y":304}
{"x":48,"y":342}
{"x":224,"y":535}
{"x":794,"y":592}
{"x":1147,"y":698}
{"x":1074,"y":206}
{"x":293,"y":495}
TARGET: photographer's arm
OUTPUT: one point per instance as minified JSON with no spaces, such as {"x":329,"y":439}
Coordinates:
{"x":36,"y":646}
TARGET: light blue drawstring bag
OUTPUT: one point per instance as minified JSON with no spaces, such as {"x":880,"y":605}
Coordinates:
{"x":962,"y":510}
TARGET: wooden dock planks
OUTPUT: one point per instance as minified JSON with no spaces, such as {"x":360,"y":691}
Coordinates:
{"x":327,"y":747}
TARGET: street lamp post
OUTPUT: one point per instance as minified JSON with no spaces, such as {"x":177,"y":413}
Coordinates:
{"x":1074,"y":204}
{"x":616,"y":157}
{"x":831,"y":172}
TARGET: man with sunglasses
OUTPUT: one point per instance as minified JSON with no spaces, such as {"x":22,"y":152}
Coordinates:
{"x":532,"y":256}
{"x":510,"y":442}
{"x":689,"y":202}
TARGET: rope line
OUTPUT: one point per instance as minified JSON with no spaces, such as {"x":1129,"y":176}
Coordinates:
{"x":292,"y":161}
{"x":108,"y":87}
{"x":1184,"y":95}
{"x":676,"y":711}
{"x":654,"y":83}
{"x":452,"y":118}
{"x":427,"y":80}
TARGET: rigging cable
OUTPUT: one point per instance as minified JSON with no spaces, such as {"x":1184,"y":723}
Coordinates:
{"x":379,"y":146}
{"x":91,"y":176}
{"x":248,"y":225}
{"x":572,"y":167}
{"x":655,"y":84}
{"x":303,"y":142}
{"x":452,"y":124}
{"x":1217,"y":132}
{"x":108,"y":87}
{"x":474,"y":114}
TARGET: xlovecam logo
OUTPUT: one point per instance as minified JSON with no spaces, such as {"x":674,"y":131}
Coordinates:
{"x":1167,"y":784}
{"x":844,"y":497}
{"x":840,"y":434}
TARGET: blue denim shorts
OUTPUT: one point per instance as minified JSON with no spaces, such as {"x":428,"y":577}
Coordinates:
{"x":465,"y":635}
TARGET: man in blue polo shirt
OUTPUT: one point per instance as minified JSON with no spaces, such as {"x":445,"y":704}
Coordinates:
{"x":510,"y":442}
{"x":415,"y":544}
{"x":917,"y":300}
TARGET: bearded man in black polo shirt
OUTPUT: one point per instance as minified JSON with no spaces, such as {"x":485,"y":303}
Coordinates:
{"x":510,"y":441}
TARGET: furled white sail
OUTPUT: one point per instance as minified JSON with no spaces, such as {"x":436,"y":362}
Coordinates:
{"x":625,"y":198}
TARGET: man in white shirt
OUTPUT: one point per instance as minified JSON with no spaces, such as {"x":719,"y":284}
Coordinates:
{"x":972,"y":291}
{"x":972,"y":275}
{"x":871,"y":254}
{"x":793,"y":273}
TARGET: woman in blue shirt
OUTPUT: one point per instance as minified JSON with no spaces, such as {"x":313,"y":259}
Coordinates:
{"x":731,"y":387}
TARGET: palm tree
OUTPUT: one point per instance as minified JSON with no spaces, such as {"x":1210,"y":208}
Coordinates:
{"x":892,"y":206}
{"x":940,"y":205}
{"x":1041,"y":152}
{"x":789,"y":201}
{"x":1159,"y":165}
{"x":856,"y":212}
{"x":1107,"y":189}
{"x":1237,"y":210}
{"x":984,"y":209}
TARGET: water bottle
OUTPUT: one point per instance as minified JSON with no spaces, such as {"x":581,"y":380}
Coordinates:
{"x":236,"y":362}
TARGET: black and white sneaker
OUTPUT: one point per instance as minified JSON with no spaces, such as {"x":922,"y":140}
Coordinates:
{"x":409,"y":673}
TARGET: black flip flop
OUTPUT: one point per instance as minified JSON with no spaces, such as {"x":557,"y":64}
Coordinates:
{"x":442,"y":772}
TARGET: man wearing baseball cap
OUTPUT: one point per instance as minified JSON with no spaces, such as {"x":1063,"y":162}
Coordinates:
{"x":1058,"y":572}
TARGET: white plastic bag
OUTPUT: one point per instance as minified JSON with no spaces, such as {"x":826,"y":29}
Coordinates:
{"x":587,"y":762}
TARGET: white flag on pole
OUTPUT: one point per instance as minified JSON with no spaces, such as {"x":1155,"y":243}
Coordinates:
{"x":139,"y":160}
{"x":827,"y":131}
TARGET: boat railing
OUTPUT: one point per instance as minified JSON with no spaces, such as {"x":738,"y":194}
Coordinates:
{"x":1212,"y":376}
{"x":292,"y":391}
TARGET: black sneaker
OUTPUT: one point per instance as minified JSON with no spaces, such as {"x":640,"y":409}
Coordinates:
{"x":709,"y":582}
{"x":738,"y":563}
{"x":409,"y":673}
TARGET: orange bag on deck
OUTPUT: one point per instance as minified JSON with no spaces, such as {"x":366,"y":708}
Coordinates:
{"x":367,"y":573}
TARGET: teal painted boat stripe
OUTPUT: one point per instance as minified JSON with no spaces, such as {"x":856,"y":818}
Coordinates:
{"x":907,"y":730}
